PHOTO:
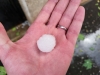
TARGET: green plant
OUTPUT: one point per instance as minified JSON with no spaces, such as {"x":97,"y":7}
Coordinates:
{"x":87,"y":64}
{"x":92,"y":49}
{"x":98,"y":6}
{"x":81,"y":37}
{"x":14,"y":29}
{"x":2,"y":70}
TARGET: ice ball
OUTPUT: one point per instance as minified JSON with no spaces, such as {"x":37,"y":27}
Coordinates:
{"x":46,"y":43}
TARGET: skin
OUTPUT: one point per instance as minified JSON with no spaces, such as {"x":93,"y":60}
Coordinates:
{"x":24,"y":58}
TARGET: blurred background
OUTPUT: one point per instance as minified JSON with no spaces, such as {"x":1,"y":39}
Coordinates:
{"x":11,"y":13}
{"x":86,"y":60}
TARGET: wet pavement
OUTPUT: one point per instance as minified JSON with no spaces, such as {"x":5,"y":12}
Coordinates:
{"x":86,"y":60}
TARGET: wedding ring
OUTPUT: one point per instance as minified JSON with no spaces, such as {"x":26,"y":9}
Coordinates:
{"x":62,"y":27}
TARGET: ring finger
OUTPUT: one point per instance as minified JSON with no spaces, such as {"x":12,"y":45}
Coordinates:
{"x":69,"y":14}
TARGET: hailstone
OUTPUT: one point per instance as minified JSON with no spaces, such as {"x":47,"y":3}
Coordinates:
{"x":46,"y":43}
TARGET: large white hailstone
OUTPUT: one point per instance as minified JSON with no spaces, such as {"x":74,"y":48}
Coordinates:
{"x":46,"y":43}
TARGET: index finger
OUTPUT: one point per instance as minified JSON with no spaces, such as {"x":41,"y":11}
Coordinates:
{"x":46,"y":11}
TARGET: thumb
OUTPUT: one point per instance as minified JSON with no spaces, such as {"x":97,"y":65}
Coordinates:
{"x":3,"y":35}
{"x":4,"y":40}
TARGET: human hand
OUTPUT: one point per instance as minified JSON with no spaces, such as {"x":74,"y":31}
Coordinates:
{"x":24,"y":58}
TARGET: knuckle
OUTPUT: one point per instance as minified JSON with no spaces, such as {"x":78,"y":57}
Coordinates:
{"x":75,"y":2}
{"x":78,"y":19}
{"x":69,"y":17}
{"x":46,"y":10}
{"x":57,"y":10}
{"x":74,"y":32}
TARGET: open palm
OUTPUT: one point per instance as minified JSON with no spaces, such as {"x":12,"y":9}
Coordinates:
{"x":24,"y":58}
